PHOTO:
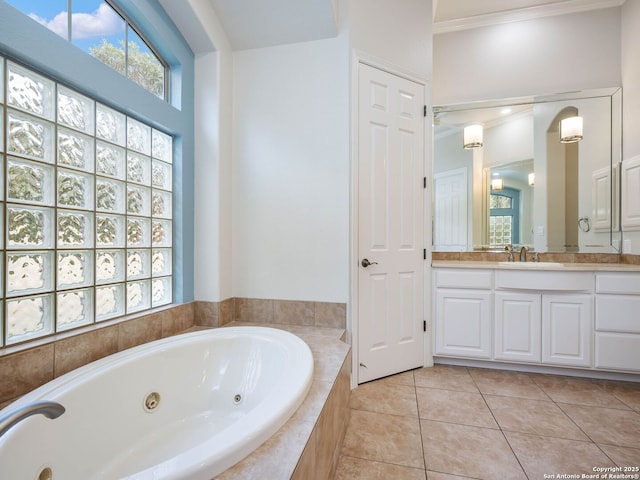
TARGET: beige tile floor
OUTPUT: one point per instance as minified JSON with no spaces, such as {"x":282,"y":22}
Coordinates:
{"x":448,"y":423}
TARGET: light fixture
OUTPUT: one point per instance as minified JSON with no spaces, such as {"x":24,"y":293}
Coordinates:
{"x":472,"y":137}
{"x":571,"y":130}
{"x":532,"y":177}
{"x":497,"y":184}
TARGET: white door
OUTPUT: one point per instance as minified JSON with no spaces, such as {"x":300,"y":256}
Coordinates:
{"x":450,"y":210}
{"x":390,"y":224}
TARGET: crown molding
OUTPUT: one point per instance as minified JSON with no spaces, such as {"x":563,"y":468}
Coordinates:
{"x":529,"y":13}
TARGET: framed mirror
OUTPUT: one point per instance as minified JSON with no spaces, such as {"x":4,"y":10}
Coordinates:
{"x":539,"y":171}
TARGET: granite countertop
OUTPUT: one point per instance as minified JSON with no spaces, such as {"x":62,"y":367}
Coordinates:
{"x":537,"y":266}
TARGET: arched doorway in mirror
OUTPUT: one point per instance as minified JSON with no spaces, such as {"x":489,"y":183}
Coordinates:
{"x":562,"y":187}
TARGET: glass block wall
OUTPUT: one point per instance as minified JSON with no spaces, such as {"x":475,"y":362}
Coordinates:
{"x":86,"y":209}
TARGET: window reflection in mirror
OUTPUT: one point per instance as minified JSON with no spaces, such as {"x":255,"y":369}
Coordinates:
{"x":524,"y":186}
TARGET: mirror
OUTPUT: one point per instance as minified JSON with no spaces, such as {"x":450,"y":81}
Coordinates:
{"x":519,"y":184}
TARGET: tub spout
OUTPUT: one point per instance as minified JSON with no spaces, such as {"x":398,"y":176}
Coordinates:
{"x":48,"y":409}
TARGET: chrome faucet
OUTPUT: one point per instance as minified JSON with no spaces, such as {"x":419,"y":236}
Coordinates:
{"x":48,"y":409}
{"x":523,"y":253}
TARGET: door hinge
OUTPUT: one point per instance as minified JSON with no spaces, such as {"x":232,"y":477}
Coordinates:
{"x":424,"y":253}
{"x":424,"y":182}
{"x":425,"y":111}
{"x":424,"y":325}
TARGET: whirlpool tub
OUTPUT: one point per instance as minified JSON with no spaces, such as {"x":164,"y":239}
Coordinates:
{"x":185,"y":407}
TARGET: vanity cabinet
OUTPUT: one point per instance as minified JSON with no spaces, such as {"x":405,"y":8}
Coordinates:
{"x":544,"y":317}
{"x":536,"y":316}
{"x":463,"y":319}
{"x":552,"y":329}
{"x":617,"y":324}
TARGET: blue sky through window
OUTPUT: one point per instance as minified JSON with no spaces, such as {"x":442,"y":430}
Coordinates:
{"x":92,"y":20}
{"x":92,"y":23}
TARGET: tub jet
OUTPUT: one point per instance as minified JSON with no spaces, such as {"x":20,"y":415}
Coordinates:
{"x":45,"y":474}
{"x":152,"y":401}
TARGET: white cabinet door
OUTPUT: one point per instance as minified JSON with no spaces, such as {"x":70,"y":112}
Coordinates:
{"x":567,"y":328}
{"x":618,"y":351}
{"x":463,"y":322}
{"x":517,"y":327}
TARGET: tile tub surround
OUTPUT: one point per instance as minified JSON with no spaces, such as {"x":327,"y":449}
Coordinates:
{"x":23,"y":369}
{"x":308,"y":445}
{"x":268,"y":311}
{"x":309,"y":442}
{"x":28,"y":366}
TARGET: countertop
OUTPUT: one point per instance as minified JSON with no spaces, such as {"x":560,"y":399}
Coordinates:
{"x":538,"y":266}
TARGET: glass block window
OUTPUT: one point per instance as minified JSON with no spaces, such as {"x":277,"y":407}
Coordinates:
{"x":504,"y":217}
{"x":102,"y":31}
{"x":500,"y":229}
{"x":85,"y":209}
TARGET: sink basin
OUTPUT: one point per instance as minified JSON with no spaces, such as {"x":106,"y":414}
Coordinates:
{"x":534,"y":265}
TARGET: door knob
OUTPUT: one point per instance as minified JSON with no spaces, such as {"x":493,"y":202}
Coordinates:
{"x":365,"y":262}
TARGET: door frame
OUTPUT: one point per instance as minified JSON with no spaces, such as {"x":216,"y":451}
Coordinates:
{"x":358,"y":58}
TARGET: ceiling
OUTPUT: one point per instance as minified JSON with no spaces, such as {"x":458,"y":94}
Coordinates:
{"x":260,"y":23}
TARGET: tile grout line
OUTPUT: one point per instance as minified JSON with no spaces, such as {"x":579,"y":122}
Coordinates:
{"x":415,"y":393}
{"x":382,"y":462}
{"x":559,"y":405}
{"x":498,"y":424}
{"x":567,"y":415}
{"x":591,"y":440}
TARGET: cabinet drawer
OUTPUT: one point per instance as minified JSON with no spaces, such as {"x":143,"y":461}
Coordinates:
{"x":545,"y":281}
{"x":464,"y":278}
{"x":618,"y":313}
{"x":628,"y":283}
{"x":618,"y":351}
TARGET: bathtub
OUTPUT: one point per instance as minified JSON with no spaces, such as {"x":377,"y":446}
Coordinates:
{"x":185,"y":407}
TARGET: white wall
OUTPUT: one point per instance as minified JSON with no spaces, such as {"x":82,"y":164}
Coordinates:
{"x":396,"y":31}
{"x":272,"y":209}
{"x":631,"y":93}
{"x":508,"y":142}
{"x":290,"y":203}
{"x":213,"y":242}
{"x":542,"y":56}
{"x":631,"y":77}
{"x":272,"y":169}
